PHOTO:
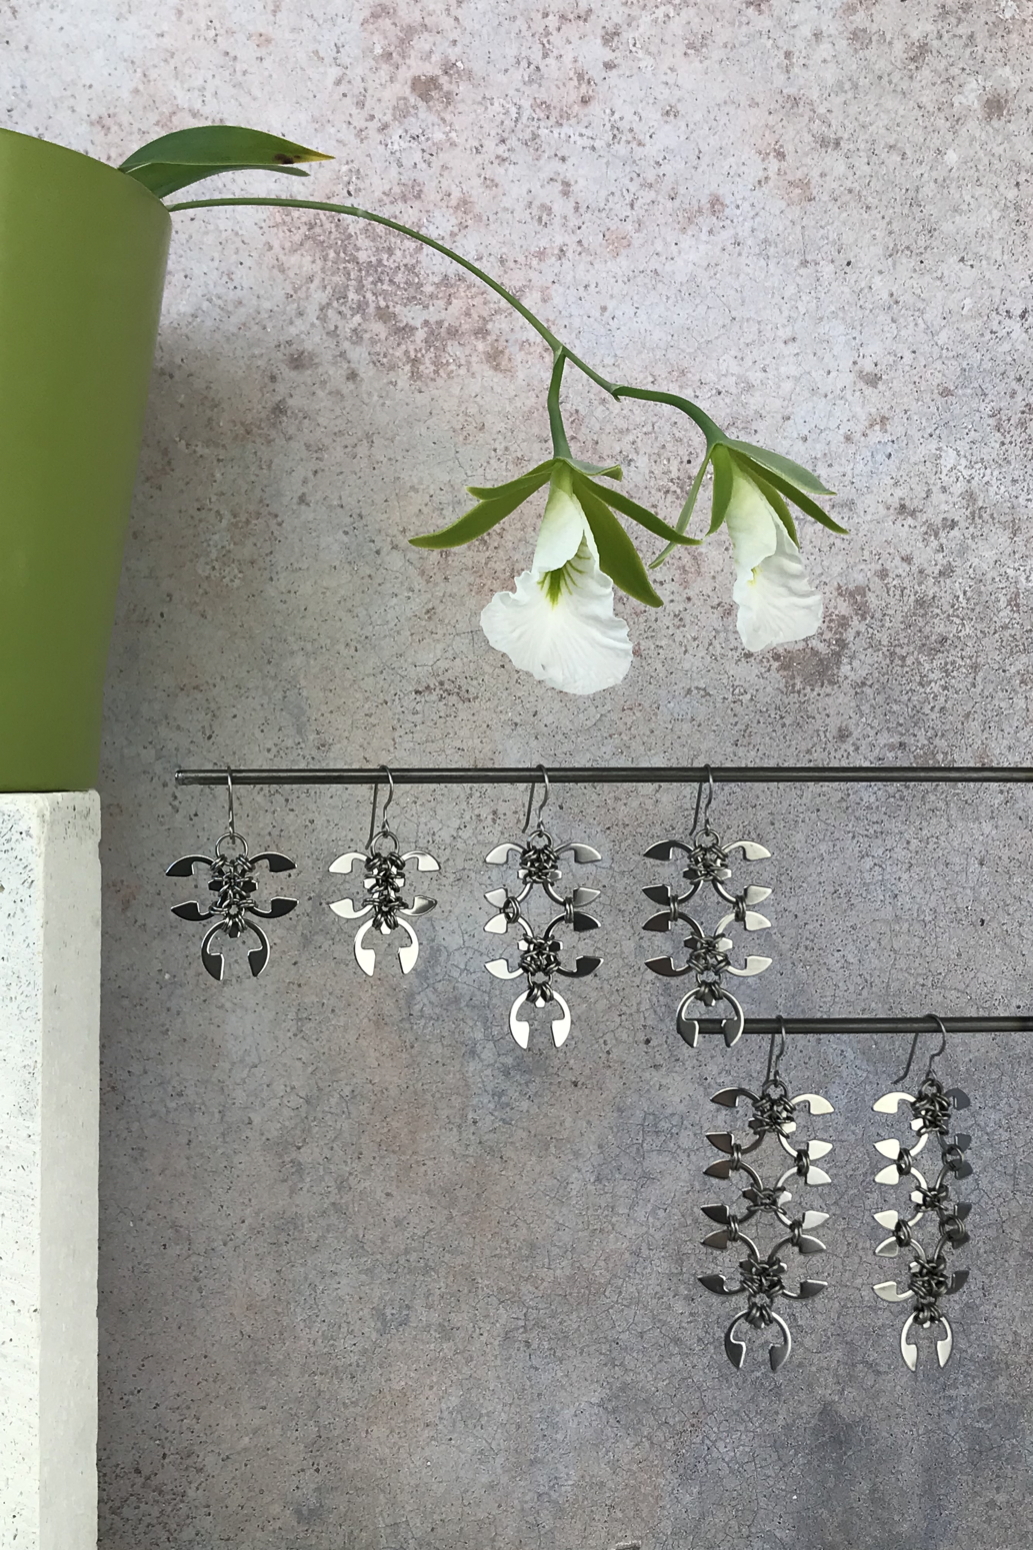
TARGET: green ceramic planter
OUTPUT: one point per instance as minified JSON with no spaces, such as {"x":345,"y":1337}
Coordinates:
{"x":82,"y":266}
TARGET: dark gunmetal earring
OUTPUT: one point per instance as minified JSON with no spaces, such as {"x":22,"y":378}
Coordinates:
{"x":762,"y":1277}
{"x":232,"y":881}
{"x":383,"y":883}
{"x":709,"y":860}
{"x":538,"y":866}
{"x":929,"y":1279}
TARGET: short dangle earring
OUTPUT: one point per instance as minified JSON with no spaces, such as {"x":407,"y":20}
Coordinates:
{"x":383,"y":882}
{"x":231,"y":880}
{"x":762,"y":1277}
{"x":709,"y":861}
{"x":928,"y":1277}
{"x":538,"y":865}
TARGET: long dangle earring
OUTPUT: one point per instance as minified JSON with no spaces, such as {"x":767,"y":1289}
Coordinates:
{"x":383,"y":883}
{"x":232,"y":882}
{"x":538,"y":866}
{"x":929,"y":1279}
{"x":708,"y":953}
{"x":762,"y":1277}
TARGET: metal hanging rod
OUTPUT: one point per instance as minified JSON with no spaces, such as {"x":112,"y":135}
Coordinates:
{"x":643,"y":774}
{"x":766,"y":1026}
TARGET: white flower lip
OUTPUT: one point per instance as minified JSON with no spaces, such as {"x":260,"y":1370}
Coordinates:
{"x":567,"y":636}
{"x":777,"y":603}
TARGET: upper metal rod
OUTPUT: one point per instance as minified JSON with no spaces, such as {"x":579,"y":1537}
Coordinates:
{"x":766,"y":1026}
{"x":642,"y":774}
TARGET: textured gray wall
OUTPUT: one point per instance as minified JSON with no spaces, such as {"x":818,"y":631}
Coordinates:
{"x":372,"y":1277}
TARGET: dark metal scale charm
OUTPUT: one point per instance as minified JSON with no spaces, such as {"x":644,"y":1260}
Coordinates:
{"x":762,"y":1276}
{"x":538,"y":860}
{"x":708,"y":957}
{"x":232,"y":882}
{"x":929,"y":1279}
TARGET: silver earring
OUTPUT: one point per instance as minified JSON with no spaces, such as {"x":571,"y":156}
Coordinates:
{"x":538,"y":866}
{"x":708,"y":953}
{"x":232,"y":882}
{"x":762,"y":1277}
{"x":383,"y":883}
{"x":929,"y":1279}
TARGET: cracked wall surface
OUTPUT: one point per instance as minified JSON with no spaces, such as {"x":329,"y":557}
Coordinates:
{"x":371,"y":1276}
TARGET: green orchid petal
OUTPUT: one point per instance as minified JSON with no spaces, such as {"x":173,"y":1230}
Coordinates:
{"x":536,"y":477}
{"x":777,"y":505}
{"x":188,"y":155}
{"x":637,"y":513}
{"x":478,"y":521}
{"x":721,"y":462}
{"x":618,"y":556}
{"x":790,"y":491}
{"x":775,"y":463}
{"x":609,"y":470}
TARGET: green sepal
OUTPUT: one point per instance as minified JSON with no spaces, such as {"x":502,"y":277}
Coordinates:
{"x":777,"y":505}
{"x":721,"y":463}
{"x":775,"y":463}
{"x":609,"y":470}
{"x":618,"y":556}
{"x":533,"y":480}
{"x":791,"y":493}
{"x":478,"y":521}
{"x":632,"y":509}
{"x":188,"y":155}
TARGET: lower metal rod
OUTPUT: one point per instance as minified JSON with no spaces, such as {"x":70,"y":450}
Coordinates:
{"x":643,"y":774}
{"x":766,"y":1026}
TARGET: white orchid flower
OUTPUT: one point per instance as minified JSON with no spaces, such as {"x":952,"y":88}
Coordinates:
{"x":752,"y":487}
{"x":776,"y":601}
{"x":559,"y":623}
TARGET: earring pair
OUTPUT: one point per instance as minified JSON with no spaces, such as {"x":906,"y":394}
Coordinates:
{"x":763,"y":1275}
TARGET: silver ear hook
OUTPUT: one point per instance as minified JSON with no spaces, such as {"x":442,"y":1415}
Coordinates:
{"x":373,"y":816}
{"x":390,"y":793}
{"x":774,"y":1061}
{"x":936,"y":1053}
{"x":383,"y":811}
{"x":232,"y":830}
{"x":699,"y":800}
{"x":530,"y":799}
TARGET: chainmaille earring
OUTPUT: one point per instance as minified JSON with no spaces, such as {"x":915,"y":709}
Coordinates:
{"x":538,"y":866}
{"x":928,"y":1277}
{"x":383,"y":883}
{"x":231,"y":879}
{"x":708,"y":861}
{"x":762,"y":1276}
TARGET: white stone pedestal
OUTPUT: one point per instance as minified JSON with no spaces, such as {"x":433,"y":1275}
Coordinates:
{"x":49,"y":1028}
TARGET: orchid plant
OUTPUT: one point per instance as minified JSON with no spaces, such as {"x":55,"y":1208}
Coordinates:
{"x":559,"y":622}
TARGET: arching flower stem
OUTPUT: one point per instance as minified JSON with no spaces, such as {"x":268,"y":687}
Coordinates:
{"x":561,"y":353}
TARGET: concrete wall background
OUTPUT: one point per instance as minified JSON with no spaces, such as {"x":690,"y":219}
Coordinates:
{"x":370,"y":1276}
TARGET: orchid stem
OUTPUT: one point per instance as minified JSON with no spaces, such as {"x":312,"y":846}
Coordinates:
{"x":560,"y":444}
{"x":561,"y":353}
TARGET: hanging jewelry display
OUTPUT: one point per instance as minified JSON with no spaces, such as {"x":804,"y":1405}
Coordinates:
{"x":383,"y":882}
{"x":929,"y":1279}
{"x":708,"y":953}
{"x":538,"y":866}
{"x":762,"y":1277}
{"x":232,"y":881}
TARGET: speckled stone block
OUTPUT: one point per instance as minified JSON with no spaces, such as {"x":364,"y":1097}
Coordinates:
{"x":49,"y":1034}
